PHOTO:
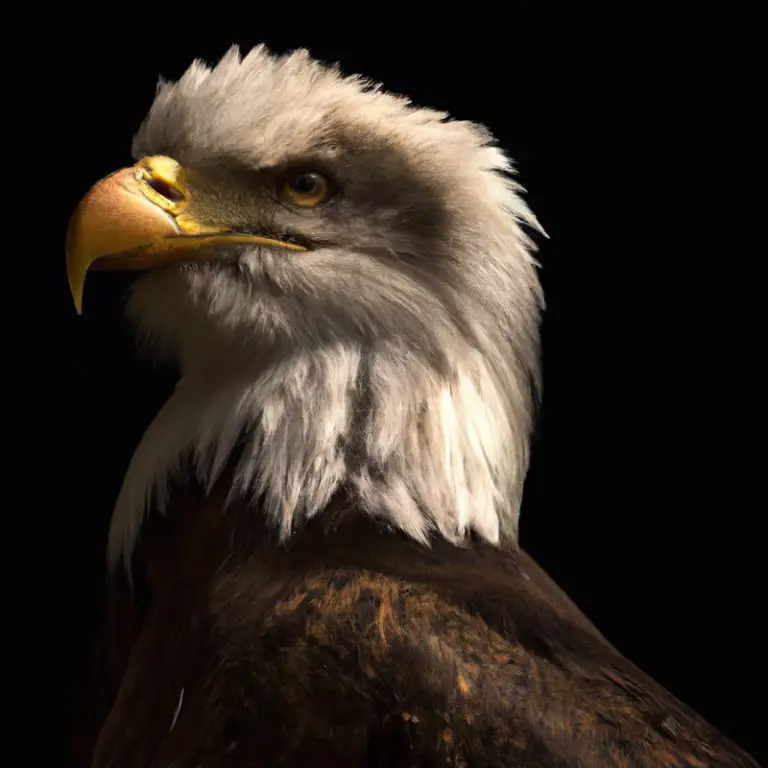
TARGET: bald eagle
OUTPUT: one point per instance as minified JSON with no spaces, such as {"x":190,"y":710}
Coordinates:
{"x":313,"y":558}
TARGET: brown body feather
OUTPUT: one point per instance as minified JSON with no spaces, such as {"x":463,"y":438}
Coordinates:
{"x":355,"y":646}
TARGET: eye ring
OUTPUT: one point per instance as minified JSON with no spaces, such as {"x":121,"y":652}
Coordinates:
{"x":306,"y":189}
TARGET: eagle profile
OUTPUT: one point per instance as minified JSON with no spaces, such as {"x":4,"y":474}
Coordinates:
{"x":313,"y":557}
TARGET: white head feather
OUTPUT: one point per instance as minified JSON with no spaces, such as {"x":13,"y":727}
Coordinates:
{"x":398,"y":360}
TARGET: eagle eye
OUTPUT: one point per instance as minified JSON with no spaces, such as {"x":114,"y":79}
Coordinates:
{"x":306,"y":189}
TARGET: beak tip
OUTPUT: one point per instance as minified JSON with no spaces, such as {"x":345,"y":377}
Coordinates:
{"x":77,"y":298}
{"x":76,"y":288}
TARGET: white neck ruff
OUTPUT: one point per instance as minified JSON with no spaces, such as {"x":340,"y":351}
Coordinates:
{"x":429,"y":453}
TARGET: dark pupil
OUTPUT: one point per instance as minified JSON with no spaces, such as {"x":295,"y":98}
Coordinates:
{"x":306,"y":184}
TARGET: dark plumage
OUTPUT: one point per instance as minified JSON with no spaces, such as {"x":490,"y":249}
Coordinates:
{"x":355,"y":646}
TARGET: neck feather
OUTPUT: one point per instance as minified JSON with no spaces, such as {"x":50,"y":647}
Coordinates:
{"x":431,"y":452}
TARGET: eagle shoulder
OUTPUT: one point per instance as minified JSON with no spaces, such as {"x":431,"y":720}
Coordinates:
{"x":357,"y":667}
{"x":362,"y":648}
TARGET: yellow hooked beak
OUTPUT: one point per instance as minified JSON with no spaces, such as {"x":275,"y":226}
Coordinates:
{"x":135,"y":219}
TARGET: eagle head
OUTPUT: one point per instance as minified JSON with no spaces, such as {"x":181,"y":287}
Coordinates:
{"x":345,"y":282}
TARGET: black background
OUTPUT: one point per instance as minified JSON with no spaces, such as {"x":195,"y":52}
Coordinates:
{"x":637,"y":502}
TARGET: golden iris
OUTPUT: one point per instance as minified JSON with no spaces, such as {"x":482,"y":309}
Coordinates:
{"x":307,"y":189}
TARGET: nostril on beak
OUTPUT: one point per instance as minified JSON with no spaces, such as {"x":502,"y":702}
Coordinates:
{"x":166,"y":189}
{"x":165,"y":181}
